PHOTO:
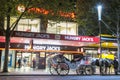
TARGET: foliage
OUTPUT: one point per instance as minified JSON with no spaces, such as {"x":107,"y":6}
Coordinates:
{"x":110,"y":16}
{"x":85,"y":12}
{"x":89,"y":22}
{"x":8,"y":9}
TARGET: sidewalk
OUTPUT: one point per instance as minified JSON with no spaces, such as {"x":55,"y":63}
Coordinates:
{"x":25,"y":71}
{"x":30,"y":71}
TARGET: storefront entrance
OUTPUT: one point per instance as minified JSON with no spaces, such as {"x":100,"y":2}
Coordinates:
{"x":26,"y":59}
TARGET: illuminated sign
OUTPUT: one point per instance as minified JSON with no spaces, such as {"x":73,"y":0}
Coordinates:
{"x":46,"y":12}
{"x":21,"y":8}
{"x":108,"y":56}
{"x":56,"y":37}
{"x":32,"y":35}
{"x":39,"y":47}
{"x":81,"y":38}
{"x":72,"y":38}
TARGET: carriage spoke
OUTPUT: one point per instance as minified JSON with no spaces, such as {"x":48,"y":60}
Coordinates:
{"x":62,"y":69}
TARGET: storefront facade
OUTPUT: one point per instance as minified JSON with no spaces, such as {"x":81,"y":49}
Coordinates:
{"x":27,"y":45}
{"x":19,"y":45}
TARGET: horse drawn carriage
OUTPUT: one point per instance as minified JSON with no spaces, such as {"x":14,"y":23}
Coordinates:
{"x":60,"y":65}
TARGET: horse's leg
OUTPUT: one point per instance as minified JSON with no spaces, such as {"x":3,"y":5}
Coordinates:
{"x":109,"y":70}
{"x":106,"y":69}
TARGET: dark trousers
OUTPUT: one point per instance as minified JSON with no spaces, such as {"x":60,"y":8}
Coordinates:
{"x":116,"y":71}
{"x":19,"y":65}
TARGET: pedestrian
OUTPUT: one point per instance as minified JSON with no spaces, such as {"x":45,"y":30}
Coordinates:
{"x":19,"y":63}
{"x":24,"y":62}
{"x":34,"y":63}
{"x":115,"y":64}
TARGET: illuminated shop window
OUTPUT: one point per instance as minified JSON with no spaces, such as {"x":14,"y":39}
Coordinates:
{"x":29,"y":25}
{"x":33,"y":25}
{"x":62,"y":27}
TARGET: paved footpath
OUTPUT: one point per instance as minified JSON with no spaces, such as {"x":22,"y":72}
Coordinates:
{"x":36,"y":77}
{"x":29,"y":71}
{"x":30,"y":74}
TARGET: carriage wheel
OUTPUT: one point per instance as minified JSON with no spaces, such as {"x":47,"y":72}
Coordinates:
{"x":81,"y":70}
{"x":88,"y":70}
{"x":62,"y":69}
{"x":52,"y":70}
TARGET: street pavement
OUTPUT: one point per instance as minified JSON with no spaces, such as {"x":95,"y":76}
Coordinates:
{"x":70,"y":77}
{"x":30,"y":74}
{"x":29,"y":71}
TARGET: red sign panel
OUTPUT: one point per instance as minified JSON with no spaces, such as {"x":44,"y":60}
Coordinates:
{"x":80,"y":38}
{"x":33,"y":35}
{"x":56,"y":36}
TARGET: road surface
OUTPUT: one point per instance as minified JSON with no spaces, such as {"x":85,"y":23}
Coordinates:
{"x":45,"y":77}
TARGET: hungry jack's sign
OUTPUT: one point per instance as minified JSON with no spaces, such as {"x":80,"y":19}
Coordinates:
{"x":56,"y":36}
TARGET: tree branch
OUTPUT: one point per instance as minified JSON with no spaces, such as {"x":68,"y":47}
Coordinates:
{"x":16,"y":22}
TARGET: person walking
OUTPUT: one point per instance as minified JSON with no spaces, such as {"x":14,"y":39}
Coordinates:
{"x":115,"y":64}
{"x":34,"y":63}
{"x":24,"y":62}
{"x":19,"y":63}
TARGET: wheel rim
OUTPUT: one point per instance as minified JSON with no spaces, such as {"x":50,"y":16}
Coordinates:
{"x":62,"y":69}
{"x":80,"y":70}
{"x":88,"y":70}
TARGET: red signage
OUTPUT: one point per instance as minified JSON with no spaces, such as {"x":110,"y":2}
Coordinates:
{"x":80,"y":38}
{"x":33,"y":35}
{"x":56,"y":36}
